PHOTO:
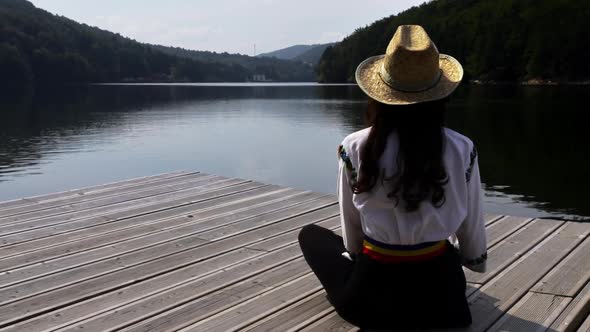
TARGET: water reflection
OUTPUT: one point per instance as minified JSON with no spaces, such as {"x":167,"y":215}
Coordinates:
{"x":532,"y":141}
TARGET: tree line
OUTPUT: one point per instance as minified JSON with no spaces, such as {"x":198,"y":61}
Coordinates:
{"x":495,"y":40}
{"x":37,"y":47}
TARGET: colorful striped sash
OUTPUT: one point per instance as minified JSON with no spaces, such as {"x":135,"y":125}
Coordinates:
{"x":393,"y":253}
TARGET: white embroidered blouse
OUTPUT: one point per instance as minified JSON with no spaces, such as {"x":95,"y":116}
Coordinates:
{"x":459,"y":219}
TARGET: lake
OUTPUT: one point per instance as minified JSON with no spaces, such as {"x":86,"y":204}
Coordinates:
{"x":533,"y":142}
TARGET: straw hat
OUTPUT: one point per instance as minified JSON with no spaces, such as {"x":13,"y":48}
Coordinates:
{"x":411,"y":71}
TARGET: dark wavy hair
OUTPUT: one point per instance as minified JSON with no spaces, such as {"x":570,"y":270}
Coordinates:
{"x":421,"y":174}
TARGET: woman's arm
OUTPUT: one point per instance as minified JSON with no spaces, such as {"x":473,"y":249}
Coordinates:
{"x":472,"y":233}
{"x":352,"y":232}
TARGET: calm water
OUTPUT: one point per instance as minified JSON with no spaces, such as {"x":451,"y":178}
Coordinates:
{"x":533,"y":141}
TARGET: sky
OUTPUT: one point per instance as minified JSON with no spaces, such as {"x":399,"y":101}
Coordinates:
{"x":233,"y":26}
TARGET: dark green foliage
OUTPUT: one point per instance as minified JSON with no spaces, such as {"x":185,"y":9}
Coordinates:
{"x":15,"y":71}
{"x":495,"y":40}
{"x":39,"y":47}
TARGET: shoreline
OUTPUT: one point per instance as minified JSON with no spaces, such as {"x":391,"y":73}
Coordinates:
{"x":533,"y":82}
{"x":521,"y":83}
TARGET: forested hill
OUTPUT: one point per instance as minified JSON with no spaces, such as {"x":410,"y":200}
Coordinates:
{"x":314,"y":54}
{"x":306,"y":53}
{"x":495,"y":40}
{"x":273,"y":69}
{"x":288,"y":53}
{"x":39,"y":47}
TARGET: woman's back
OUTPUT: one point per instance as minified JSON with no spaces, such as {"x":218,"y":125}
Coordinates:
{"x":385,"y":220}
{"x":410,"y":199}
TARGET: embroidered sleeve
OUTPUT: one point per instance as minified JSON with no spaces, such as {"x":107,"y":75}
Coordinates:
{"x":348,"y":164}
{"x":350,"y":219}
{"x":476,"y":261}
{"x":472,"y":158}
{"x":472,"y":234}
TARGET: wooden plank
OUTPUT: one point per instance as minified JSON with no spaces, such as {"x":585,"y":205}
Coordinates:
{"x":585,"y":326}
{"x":200,"y":205}
{"x":6,"y":240}
{"x":503,"y":228}
{"x":471,"y":288}
{"x":114,"y":306}
{"x":513,"y":247}
{"x":203,"y":253}
{"x":253,"y":223}
{"x":575,"y":312}
{"x":296,"y":316}
{"x":85,"y":190}
{"x":196,"y":300}
{"x":156,"y":207}
{"x":136,"y":267}
{"x":534,"y":312}
{"x":34,"y":200}
{"x":570,"y":276}
{"x":68,"y":213}
{"x":247,"y":312}
{"x":160,"y":302}
{"x":18,"y":290}
{"x":112,"y":202}
{"x":491,"y":218}
{"x":277,"y":241}
{"x":499,"y":294}
{"x":287,"y":202}
{"x":141,"y":206}
{"x":331,"y":322}
{"x":183,"y":282}
{"x":134,"y":251}
{"x":100,"y":198}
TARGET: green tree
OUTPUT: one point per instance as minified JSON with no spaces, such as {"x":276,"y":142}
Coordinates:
{"x":15,"y":71}
{"x":56,"y":49}
{"x":500,"y":40}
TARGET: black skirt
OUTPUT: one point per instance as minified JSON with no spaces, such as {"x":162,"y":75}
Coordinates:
{"x":375,"y":295}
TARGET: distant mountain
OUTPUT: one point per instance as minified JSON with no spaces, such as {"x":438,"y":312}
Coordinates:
{"x":272,"y":68}
{"x":313,"y":55}
{"x":495,"y":40}
{"x":39,"y":47}
{"x":304,"y":53}
{"x":288,"y":53}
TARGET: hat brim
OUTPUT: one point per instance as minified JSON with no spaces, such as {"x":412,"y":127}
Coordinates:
{"x":368,"y":78}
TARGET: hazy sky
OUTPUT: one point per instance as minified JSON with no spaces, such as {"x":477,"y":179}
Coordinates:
{"x":228,"y":25}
